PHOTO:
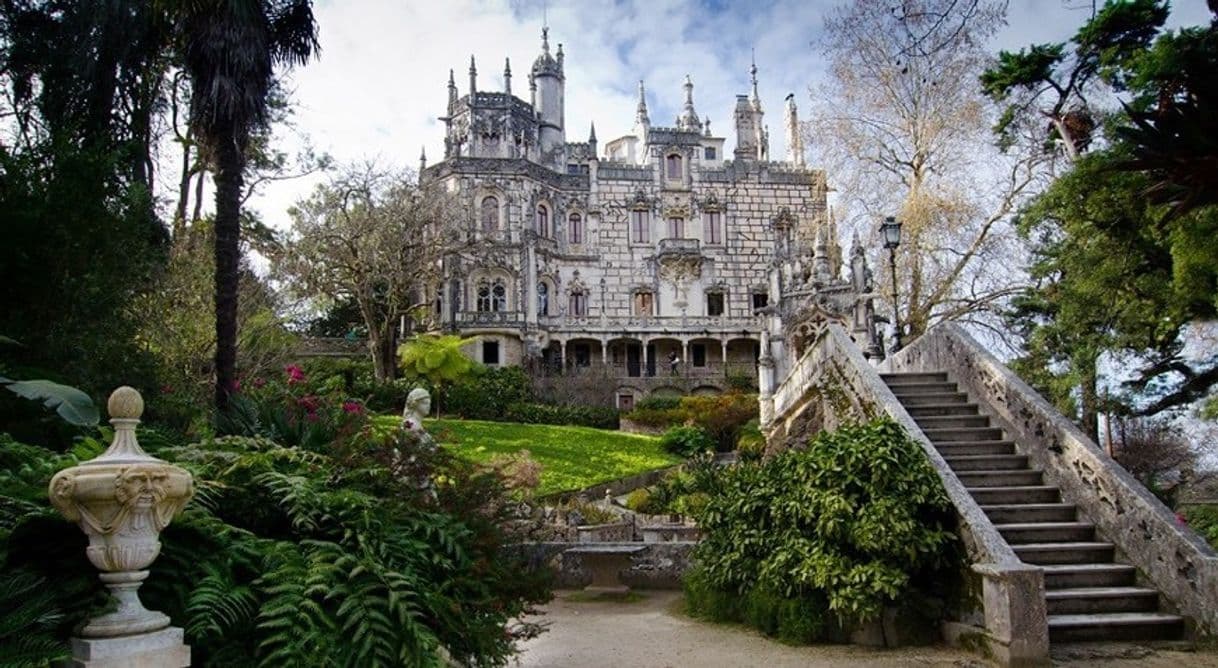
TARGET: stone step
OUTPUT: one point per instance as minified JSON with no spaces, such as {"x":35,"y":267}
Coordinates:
{"x":1047,"y":532}
{"x":937,"y":436}
{"x":972,"y":479}
{"x":1030,"y":512}
{"x":903,"y":378}
{"x":987,"y":462}
{"x":1064,"y":553}
{"x":906,"y":389}
{"x":1065,"y":576}
{"x":975,"y":448}
{"x":1088,"y":600}
{"x":929,"y":410}
{"x":1015,"y":494}
{"x":1122,"y":626}
{"x":952,"y":421}
{"x":935,"y":399}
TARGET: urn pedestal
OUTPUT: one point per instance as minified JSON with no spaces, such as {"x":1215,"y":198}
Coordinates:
{"x":122,"y":500}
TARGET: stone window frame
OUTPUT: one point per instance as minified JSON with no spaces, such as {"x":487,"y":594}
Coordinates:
{"x":675,"y":227}
{"x":713,"y":229}
{"x":754,"y":293}
{"x":482,"y":211}
{"x":550,"y":293}
{"x":636,"y":300}
{"x":674,"y":159}
{"x":724,"y":297}
{"x":577,"y":228}
{"x":577,"y":303}
{"x":543,"y":226}
{"x":640,"y":225}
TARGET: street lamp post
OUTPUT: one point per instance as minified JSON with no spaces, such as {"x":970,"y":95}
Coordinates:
{"x":891,"y":232}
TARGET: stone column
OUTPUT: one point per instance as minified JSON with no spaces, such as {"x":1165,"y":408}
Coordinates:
{"x":562,"y":356}
{"x":643,"y":355}
{"x":604,"y":352}
{"x":122,"y":500}
{"x":685,"y":364}
{"x":530,"y":284}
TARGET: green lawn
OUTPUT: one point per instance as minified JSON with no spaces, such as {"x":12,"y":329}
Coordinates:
{"x":571,"y":457}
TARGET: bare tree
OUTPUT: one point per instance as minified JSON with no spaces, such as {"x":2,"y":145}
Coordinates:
{"x":372,"y":235}
{"x":1151,"y":448}
{"x":904,"y":128}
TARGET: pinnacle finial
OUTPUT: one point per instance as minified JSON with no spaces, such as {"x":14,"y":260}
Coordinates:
{"x":452,"y":82}
{"x":641,"y":111}
{"x":507,"y":67}
{"x":545,"y":39}
{"x":473,"y":68}
{"x":592,"y":133}
{"x":125,"y":404}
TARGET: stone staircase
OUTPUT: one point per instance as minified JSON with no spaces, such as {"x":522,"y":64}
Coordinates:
{"x":1088,"y":595}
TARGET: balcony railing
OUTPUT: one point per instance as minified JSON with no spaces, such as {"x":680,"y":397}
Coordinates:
{"x":678,"y":247}
{"x":643,"y":323}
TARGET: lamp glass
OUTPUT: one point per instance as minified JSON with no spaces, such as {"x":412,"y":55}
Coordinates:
{"x":891,"y":231}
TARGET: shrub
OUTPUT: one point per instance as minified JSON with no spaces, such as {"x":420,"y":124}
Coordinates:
{"x":584,"y":416}
{"x":855,"y":522}
{"x":705,"y":600}
{"x":1203,"y":520}
{"x":488,"y":394}
{"x":751,"y":443}
{"x":640,"y":501}
{"x":656,"y":417}
{"x":686,"y":441}
{"x":721,"y":416}
{"x":658,"y":403}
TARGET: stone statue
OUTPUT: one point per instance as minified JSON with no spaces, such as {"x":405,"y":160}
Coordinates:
{"x":418,"y":406}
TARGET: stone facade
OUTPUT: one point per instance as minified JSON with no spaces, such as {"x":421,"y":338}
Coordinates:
{"x":654,"y":257}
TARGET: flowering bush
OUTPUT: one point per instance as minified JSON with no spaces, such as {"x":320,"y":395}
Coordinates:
{"x":288,"y":412}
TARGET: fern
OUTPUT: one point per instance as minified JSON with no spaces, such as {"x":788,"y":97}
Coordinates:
{"x":31,"y":615}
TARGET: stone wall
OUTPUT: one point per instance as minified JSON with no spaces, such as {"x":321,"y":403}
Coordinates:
{"x":833,"y":383}
{"x":1170,"y":555}
{"x":658,"y":566}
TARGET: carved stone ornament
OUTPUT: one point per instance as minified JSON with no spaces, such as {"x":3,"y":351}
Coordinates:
{"x":122,"y":500}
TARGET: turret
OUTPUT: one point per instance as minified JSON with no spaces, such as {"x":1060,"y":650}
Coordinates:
{"x":752,"y":139}
{"x":547,"y":76}
{"x":507,"y":76}
{"x":452,"y":94}
{"x":592,"y":140}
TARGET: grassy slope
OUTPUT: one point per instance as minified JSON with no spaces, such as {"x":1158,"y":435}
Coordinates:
{"x":571,"y":457}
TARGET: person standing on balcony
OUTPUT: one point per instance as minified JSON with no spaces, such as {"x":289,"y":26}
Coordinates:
{"x":673,"y":362}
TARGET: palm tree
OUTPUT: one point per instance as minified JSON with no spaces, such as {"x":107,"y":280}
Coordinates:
{"x":230,"y":50}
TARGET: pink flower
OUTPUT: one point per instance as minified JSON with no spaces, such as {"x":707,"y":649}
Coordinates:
{"x":259,"y":382}
{"x":408,"y":424}
{"x":353,"y":407}
{"x":1181,"y":519}
{"x":309,"y":403}
{"x":236,"y":385}
{"x":295,"y":374}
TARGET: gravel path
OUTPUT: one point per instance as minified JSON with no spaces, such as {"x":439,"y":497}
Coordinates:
{"x":651,"y":633}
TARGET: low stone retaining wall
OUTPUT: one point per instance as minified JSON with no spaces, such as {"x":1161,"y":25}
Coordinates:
{"x":637,"y":428}
{"x":657,"y":566}
{"x":614,"y":487}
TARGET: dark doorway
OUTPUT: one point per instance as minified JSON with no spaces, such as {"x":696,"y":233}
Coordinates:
{"x":651,"y":359}
{"x":633,"y":360}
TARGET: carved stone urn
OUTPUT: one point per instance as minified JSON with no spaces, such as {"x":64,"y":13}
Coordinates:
{"x":122,"y":500}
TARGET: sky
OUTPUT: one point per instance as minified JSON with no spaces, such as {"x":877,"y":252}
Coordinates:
{"x":379,"y":84}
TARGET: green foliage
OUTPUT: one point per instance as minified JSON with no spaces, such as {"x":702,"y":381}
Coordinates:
{"x":751,"y":444}
{"x":656,"y":417}
{"x":1203,"y":520}
{"x":684,"y":491}
{"x":358,"y":555}
{"x":30,"y":618}
{"x":640,"y":501}
{"x":487,"y":395}
{"x":74,"y":406}
{"x":438,"y":359}
{"x":658,"y":403}
{"x":721,"y":416}
{"x":571,"y":457}
{"x":598,"y":417}
{"x":853,"y":523}
{"x":686,"y":441}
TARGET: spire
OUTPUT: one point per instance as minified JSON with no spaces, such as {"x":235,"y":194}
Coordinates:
{"x":452,"y":94}
{"x":545,"y":40}
{"x":640,"y":115}
{"x":560,"y":56}
{"x":473,"y":79}
{"x":755,"y":99}
{"x":592,"y":134}
{"x":422,"y":161}
{"x":706,"y":126}
{"x":795,"y":140}
{"x":507,"y":76}
{"x":689,"y":118}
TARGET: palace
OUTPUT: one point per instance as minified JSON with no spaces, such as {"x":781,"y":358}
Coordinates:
{"x":653,"y":258}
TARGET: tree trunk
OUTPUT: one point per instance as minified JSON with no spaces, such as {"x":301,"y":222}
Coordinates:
{"x":1089,"y":409}
{"x":230,"y":165}
{"x":384,"y":355}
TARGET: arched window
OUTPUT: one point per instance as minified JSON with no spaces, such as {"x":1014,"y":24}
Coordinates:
{"x":578,"y":304}
{"x":672,"y":167}
{"x":490,"y":214}
{"x":498,"y":296}
{"x":484,"y":297}
{"x":543,"y":298}
{"x":676,"y":228}
{"x":575,"y":229}
{"x":543,"y":221}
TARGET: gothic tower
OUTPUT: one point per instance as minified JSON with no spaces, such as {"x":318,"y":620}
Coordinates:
{"x":548,"y":80}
